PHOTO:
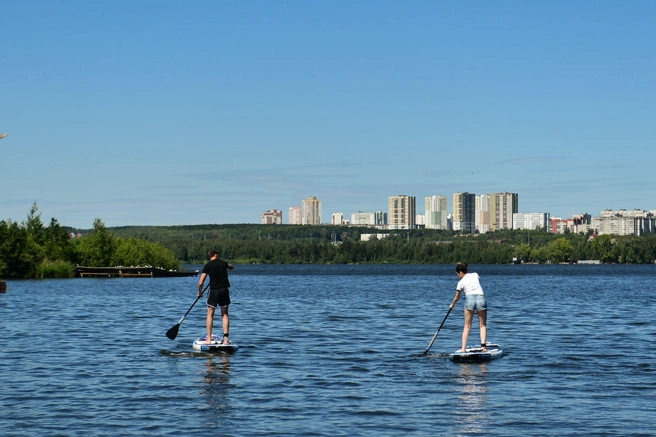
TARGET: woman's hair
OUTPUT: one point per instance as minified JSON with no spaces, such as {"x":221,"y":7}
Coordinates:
{"x":462,"y":267}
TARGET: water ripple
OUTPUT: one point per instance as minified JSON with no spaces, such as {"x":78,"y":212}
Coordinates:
{"x":332,"y":351}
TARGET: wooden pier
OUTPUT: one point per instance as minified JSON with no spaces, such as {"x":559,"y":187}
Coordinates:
{"x":129,"y":272}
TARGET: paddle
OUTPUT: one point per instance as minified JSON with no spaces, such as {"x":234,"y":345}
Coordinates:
{"x":173,"y":332}
{"x":438,"y":331}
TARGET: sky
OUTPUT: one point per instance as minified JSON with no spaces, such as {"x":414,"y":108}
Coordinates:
{"x":160,"y":112}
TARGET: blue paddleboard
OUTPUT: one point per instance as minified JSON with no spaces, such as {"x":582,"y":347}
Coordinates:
{"x":215,"y":346}
{"x":476,"y":354}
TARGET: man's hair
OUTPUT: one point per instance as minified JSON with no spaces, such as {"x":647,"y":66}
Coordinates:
{"x":212,"y":253}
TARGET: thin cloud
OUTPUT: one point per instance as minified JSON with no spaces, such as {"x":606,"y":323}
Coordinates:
{"x":531,"y":160}
{"x":272,"y":171}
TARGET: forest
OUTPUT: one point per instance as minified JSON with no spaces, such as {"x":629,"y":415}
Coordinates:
{"x":32,"y":250}
{"x":254,"y":243}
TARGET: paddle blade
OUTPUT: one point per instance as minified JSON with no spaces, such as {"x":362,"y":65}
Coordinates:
{"x":173,"y":332}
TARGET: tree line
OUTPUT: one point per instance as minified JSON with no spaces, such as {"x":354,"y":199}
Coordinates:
{"x":252,"y":243}
{"x":32,"y":250}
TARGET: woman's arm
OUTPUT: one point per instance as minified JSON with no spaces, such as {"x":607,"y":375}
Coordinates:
{"x":455,"y":299}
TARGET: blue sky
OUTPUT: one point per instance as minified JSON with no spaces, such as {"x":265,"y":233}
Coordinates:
{"x":179,"y":113}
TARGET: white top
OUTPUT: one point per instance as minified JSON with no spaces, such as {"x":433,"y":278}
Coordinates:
{"x":470,"y":284}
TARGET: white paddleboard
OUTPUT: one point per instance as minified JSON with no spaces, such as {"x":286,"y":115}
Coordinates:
{"x":200,"y":344}
{"x":476,"y":354}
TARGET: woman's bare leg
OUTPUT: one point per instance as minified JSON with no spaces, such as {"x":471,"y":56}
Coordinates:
{"x":482,"y":320}
{"x":469,"y":316}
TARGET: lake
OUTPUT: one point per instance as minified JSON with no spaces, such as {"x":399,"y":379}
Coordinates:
{"x":333,"y":350}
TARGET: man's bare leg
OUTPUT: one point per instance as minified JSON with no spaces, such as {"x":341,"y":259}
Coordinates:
{"x":225,"y":318}
{"x":208,"y":324}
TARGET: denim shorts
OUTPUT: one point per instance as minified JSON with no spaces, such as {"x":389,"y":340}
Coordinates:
{"x":475,"y":302}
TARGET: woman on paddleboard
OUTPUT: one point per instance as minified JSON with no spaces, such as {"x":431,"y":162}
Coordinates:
{"x":474,"y":302}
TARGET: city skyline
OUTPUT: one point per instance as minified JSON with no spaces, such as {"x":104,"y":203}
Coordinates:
{"x":123,"y":111}
{"x":504,"y":218}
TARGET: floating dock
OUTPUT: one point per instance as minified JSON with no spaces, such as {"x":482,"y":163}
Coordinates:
{"x":129,"y":272}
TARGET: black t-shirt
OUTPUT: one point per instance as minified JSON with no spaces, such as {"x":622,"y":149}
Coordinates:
{"x":218,"y":271}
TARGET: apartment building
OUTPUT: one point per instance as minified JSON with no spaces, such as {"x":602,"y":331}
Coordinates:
{"x":532,"y":221}
{"x":436,"y":212}
{"x":623,"y":222}
{"x":371,"y":218}
{"x":311,"y":211}
{"x":272,"y":217}
{"x":502,"y":207}
{"x":578,"y":223}
{"x":401,"y":212}
{"x":464,"y":212}
{"x":337,"y":219}
{"x":295,"y":215}
{"x":482,"y":214}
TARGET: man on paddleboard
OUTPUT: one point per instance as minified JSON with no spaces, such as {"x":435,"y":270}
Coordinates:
{"x":219,"y":294}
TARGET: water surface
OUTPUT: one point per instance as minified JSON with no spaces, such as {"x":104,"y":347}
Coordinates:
{"x":332,"y":350}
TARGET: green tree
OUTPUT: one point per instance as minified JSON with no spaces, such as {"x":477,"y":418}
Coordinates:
{"x":605,"y":248}
{"x":14,"y":263}
{"x":97,"y":248}
{"x":559,"y":250}
{"x":523,"y":252}
{"x":136,"y":252}
{"x":34,"y":250}
{"x":57,"y":242}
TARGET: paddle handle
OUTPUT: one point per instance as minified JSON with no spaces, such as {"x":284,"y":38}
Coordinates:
{"x":438,"y":331}
{"x":192,"y":305}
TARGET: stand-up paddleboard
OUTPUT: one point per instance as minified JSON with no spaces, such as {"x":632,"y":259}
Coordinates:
{"x":215,"y":346}
{"x":476,"y":354}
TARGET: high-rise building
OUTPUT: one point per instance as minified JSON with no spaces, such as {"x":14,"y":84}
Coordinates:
{"x":311,"y":211}
{"x":464,"y":212}
{"x":337,"y":219}
{"x":378,"y":218}
{"x":502,"y":207}
{"x":272,"y":217}
{"x":295,"y":216}
{"x":436,"y":212}
{"x":483,"y":213}
{"x":532,"y":221}
{"x":401,"y":212}
{"x":623,"y":222}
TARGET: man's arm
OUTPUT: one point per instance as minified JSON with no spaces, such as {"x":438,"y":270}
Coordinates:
{"x":201,"y":281}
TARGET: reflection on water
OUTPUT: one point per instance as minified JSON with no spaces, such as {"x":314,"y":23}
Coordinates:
{"x":217,"y":383}
{"x":471,"y":409}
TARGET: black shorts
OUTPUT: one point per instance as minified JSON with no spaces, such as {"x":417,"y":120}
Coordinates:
{"x":219,"y":297}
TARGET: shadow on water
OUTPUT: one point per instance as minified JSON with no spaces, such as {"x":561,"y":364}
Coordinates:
{"x":431,"y":355}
